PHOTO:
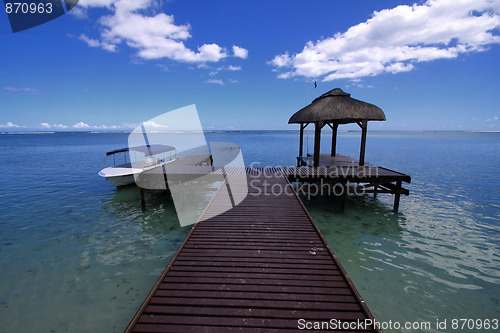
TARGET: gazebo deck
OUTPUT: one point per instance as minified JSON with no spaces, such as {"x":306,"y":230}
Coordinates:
{"x":368,"y":178}
{"x":329,"y":161}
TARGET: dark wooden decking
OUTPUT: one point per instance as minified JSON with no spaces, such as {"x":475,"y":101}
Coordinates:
{"x":341,"y":170}
{"x":368,"y":178}
{"x":328,"y":160}
{"x":260,"y":266}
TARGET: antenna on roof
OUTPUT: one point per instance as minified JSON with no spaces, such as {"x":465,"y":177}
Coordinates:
{"x":315,"y":86}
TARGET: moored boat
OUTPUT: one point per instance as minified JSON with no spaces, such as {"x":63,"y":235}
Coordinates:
{"x":143,"y":158}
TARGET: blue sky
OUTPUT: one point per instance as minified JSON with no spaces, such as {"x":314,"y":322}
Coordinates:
{"x":109,"y":65}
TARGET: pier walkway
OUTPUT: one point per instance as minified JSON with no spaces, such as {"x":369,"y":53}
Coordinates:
{"x":260,"y":266}
{"x":333,"y":170}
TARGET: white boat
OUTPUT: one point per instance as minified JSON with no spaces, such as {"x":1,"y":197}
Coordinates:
{"x":150,"y":156}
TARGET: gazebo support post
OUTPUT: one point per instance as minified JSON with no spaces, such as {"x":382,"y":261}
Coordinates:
{"x":334,"y":139}
{"x":301,"y":139}
{"x":301,"y":146}
{"x":317,"y":141}
{"x":363,"y":125}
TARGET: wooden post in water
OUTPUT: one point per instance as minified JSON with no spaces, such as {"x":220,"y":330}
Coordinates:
{"x":317,"y":141}
{"x":363,"y":126}
{"x":343,"y":196}
{"x":143,"y":199}
{"x":397,"y":195}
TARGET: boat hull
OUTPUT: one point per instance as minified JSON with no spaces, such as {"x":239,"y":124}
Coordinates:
{"x":122,"y":175}
{"x":121,"y":180}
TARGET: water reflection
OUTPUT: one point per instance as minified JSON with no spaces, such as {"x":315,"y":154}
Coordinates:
{"x":160,"y":216}
{"x":125,"y":205}
{"x":430,"y":261}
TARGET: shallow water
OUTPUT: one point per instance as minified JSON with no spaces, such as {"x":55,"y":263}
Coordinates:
{"x":439,"y":257}
{"x":77,"y":255}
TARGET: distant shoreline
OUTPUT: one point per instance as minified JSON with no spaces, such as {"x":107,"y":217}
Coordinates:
{"x":253,"y":131}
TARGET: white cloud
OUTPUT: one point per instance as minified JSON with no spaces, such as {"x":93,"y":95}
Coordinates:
{"x":393,"y":40}
{"x":95,"y":3}
{"x":163,"y":67}
{"x":79,"y":12}
{"x":152,"y":125}
{"x":81,"y":125}
{"x":214,"y":81}
{"x":240,"y":52}
{"x":153,"y":36}
{"x":229,"y":68}
{"x":23,"y":91}
{"x":54,"y":126}
{"x":9,"y":125}
{"x":84,"y":126}
{"x":96,"y":43}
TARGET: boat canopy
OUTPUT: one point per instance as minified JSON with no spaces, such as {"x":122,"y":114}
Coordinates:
{"x":148,"y":150}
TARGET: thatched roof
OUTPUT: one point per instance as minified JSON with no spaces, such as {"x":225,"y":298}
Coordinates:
{"x":338,"y":107}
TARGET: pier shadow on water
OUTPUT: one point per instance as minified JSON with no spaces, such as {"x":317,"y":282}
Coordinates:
{"x":160,"y":216}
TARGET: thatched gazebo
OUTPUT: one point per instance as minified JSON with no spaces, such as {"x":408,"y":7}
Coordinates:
{"x":334,"y":108}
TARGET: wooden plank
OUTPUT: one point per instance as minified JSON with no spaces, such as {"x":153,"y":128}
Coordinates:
{"x":247,"y":275}
{"x":220,"y":321}
{"x":266,"y":281}
{"x":257,"y":269}
{"x":252,"y":303}
{"x":245,"y":263}
{"x":249,"y":312}
{"x":259,"y":266}
{"x":256,"y":296}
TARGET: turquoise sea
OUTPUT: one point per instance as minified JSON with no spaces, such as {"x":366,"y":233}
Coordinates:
{"x":78,"y":255}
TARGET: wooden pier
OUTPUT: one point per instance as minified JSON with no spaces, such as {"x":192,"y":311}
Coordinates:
{"x":260,"y":266}
{"x":347,"y":171}
{"x":263,"y":265}
{"x":336,"y":108}
{"x":341,"y":171}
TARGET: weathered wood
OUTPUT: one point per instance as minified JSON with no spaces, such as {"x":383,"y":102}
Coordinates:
{"x":261,"y":265}
{"x":363,"y":125}
{"x":143,"y":199}
{"x":397,"y":195}
{"x":343,"y":197}
{"x":301,"y":146}
{"x":317,"y":142}
{"x":339,"y":168}
{"x":334,"y":139}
